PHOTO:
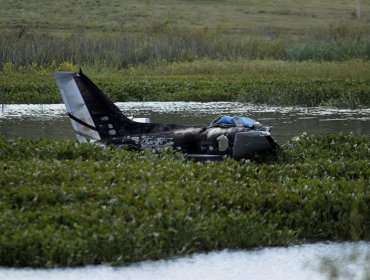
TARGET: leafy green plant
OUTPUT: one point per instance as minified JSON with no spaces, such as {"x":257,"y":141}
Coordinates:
{"x":64,"y":203}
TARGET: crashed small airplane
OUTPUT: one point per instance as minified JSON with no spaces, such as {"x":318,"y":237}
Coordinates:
{"x":95,"y":118}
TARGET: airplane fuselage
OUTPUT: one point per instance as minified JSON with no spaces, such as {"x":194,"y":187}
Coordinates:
{"x":95,"y":118}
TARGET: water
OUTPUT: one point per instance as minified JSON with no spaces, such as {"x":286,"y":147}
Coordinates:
{"x":311,"y":261}
{"x":50,"y":121}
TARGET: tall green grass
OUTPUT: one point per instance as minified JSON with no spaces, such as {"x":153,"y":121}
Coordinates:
{"x":125,"y":51}
{"x":343,"y":84}
{"x":122,"y":52}
{"x":124,"y":33}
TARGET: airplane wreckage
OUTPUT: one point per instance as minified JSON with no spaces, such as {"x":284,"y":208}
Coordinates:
{"x":95,"y":118}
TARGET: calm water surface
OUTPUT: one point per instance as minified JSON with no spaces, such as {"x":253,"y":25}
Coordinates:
{"x":51,"y":121}
{"x":312,"y":261}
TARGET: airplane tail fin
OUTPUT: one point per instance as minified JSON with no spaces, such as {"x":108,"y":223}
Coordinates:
{"x":93,"y":116}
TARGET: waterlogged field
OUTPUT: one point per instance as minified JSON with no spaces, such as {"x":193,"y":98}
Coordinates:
{"x":122,"y":34}
{"x":305,"y":53}
{"x":343,"y":84}
{"x":64,"y":203}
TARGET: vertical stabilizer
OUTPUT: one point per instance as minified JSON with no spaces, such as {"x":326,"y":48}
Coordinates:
{"x":78,"y":112}
{"x":94,"y":117}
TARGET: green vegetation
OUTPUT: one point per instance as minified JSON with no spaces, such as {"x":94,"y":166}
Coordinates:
{"x":198,"y":50}
{"x":264,"y":17}
{"x":127,"y":51}
{"x":345,"y":84}
{"x":124,"y":33}
{"x":64,"y":203}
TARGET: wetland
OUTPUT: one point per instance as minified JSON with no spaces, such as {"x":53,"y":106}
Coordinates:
{"x":302,"y":67}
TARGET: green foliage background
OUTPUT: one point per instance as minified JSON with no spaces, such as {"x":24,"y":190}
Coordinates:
{"x":125,"y":33}
{"x":341,"y":84}
{"x":215,"y":43}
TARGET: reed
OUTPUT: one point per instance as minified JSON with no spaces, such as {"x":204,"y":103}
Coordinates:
{"x":344,"y":84}
{"x":123,"y":52}
{"x":140,"y":32}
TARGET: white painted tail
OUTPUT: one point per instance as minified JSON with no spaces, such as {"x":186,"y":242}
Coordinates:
{"x":80,"y":117}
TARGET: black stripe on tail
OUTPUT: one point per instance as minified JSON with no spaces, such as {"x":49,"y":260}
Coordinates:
{"x":107,"y":117}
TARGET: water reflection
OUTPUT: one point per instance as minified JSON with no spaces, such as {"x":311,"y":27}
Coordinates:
{"x":51,"y":121}
{"x":295,"y":262}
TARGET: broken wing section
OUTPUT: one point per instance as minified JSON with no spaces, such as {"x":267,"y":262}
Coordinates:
{"x":81,"y":120}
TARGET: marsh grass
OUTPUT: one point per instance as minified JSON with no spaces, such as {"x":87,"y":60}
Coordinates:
{"x":289,"y":18}
{"x":64,"y":203}
{"x":344,"y":84}
{"x":189,"y":50}
{"x":120,"y":34}
{"x":123,"y":52}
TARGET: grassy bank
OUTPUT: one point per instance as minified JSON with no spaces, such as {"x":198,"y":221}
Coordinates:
{"x":125,"y":33}
{"x":304,"y":53}
{"x":344,"y":84}
{"x":64,"y":203}
{"x":239,"y":17}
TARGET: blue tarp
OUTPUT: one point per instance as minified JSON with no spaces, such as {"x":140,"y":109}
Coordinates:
{"x":237,"y":121}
